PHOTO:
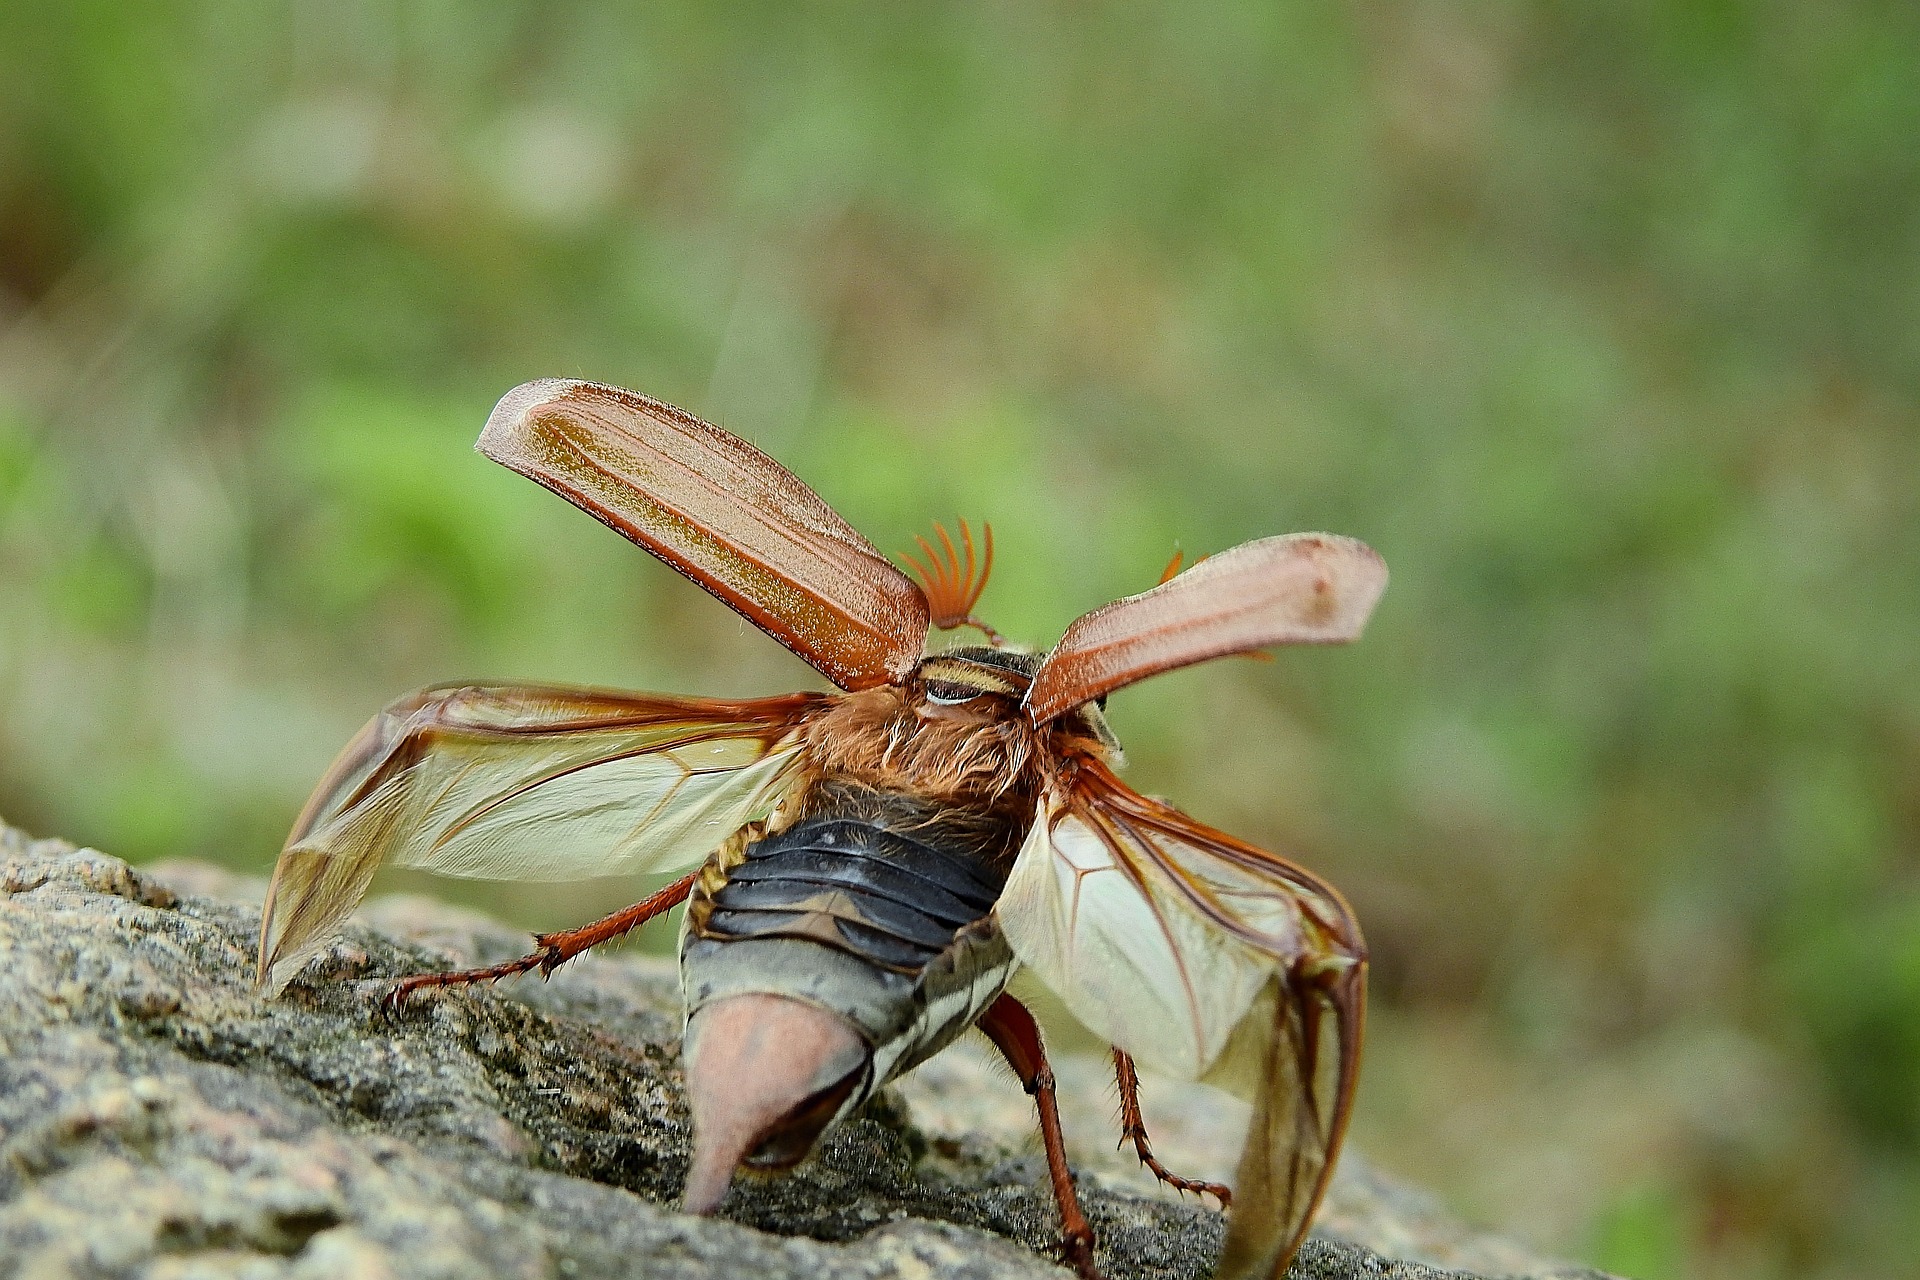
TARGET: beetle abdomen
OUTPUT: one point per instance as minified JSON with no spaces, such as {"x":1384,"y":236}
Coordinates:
{"x":873,"y":907}
{"x":892,"y":899}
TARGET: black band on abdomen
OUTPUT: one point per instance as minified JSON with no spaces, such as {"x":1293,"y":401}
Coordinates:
{"x":891,"y":897}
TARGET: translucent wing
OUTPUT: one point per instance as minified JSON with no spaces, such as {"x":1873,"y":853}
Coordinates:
{"x":525,"y":782}
{"x":1303,"y":588}
{"x":722,"y":513}
{"x":1207,"y":959}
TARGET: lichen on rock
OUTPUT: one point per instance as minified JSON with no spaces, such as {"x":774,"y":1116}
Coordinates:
{"x":159,"y":1118}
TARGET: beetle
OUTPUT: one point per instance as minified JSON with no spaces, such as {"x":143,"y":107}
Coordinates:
{"x":864,"y":870}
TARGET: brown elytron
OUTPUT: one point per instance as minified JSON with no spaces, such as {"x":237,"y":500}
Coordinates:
{"x":865,"y":870}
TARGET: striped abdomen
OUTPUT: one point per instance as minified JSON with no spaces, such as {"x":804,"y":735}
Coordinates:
{"x":872,"y":907}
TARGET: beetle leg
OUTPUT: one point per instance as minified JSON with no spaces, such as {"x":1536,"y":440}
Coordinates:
{"x":1013,"y":1031}
{"x":1133,"y":1127}
{"x":551,"y":950}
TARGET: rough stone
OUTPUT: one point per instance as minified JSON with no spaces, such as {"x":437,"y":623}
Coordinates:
{"x":159,"y":1119}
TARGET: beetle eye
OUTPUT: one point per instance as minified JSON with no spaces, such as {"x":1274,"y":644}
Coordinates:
{"x":1101,"y":702}
{"x":947,"y":693}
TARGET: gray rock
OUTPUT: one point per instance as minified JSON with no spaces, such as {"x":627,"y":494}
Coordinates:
{"x":157,"y":1118}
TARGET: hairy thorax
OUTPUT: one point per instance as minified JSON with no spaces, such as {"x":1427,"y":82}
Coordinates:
{"x":880,"y":739}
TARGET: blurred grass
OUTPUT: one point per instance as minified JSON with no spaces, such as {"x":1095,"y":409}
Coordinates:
{"x":1597,"y":320}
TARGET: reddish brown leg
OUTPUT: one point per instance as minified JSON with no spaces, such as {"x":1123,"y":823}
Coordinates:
{"x":1012,"y":1029}
{"x":551,"y":950}
{"x":1133,"y":1127}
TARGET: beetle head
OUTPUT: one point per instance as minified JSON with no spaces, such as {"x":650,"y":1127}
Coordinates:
{"x":988,"y":684}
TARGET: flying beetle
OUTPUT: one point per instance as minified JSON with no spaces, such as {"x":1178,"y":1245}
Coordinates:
{"x":865,"y":870}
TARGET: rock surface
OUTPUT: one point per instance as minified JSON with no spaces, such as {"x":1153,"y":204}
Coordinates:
{"x":157,"y":1118}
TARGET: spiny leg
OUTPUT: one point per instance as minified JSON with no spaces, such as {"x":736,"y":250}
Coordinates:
{"x":551,"y":950}
{"x":1133,"y":1127}
{"x":1013,"y":1031}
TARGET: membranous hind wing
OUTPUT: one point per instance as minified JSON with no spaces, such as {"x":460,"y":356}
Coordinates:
{"x":724,"y":514}
{"x":1207,"y":959}
{"x":526,"y":782}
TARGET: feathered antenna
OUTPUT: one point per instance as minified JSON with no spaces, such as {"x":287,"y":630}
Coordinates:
{"x":949,"y":582}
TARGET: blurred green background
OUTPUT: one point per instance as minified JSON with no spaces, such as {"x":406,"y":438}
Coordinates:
{"x":1598,"y":320}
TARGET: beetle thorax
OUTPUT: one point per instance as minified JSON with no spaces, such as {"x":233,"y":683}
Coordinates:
{"x":892,"y":741}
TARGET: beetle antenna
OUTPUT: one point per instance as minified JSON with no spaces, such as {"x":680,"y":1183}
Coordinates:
{"x":953,"y":576}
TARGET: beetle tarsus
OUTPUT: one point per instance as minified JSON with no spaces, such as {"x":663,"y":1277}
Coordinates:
{"x":1133,"y":1128}
{"x":402,"y":991}
{"x":393,"y":1001}
{"x":1076,"y":1250}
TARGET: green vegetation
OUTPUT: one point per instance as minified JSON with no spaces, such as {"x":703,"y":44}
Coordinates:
{"x":1599,"y":321}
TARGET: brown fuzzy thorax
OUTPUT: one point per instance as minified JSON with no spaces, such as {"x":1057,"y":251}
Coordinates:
{"x":880,"y":739}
